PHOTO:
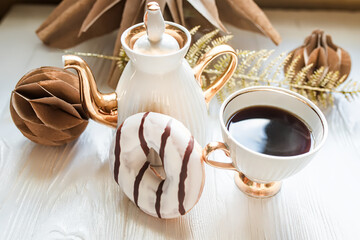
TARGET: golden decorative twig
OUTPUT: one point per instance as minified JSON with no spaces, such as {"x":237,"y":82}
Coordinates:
{"x":257,"y":68}
{"x":114,"y":58}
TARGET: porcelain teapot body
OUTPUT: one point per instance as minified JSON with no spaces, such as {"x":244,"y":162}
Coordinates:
{"x":165,"y":83}
{"x":159,"y":83}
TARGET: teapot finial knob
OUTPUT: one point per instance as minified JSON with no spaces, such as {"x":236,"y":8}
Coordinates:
{"x":156,"y":41}
{"x":154,"y":22}
{"x":152,"y":6}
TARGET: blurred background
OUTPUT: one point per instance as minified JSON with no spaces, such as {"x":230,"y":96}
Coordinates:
{"x":5,"y":5}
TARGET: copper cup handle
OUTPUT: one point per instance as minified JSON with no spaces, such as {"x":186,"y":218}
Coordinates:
{"x":213,"y":146}
{"x":221,"y":80}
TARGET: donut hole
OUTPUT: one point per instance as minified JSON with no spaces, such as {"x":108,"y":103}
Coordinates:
{"x":156,"y":164}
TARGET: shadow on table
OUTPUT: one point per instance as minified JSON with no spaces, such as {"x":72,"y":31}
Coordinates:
{"x":252,"y":218}
{"x":46,"y":162}
{"x":149,"y":226}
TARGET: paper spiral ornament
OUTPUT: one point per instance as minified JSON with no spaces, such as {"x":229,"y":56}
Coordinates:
{"x":45,"y":106}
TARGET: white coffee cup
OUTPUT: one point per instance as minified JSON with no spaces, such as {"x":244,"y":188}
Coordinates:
{"x":259,"y":174}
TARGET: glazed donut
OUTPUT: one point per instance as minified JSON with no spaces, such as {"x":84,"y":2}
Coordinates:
{"x":180,"y":154}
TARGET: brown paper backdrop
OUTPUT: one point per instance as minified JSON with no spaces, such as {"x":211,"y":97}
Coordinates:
{"x":5,"y":5}
{"x":303,"y":4}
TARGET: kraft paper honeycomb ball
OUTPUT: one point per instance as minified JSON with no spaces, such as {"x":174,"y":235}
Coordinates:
{"x":320,"y":51}
{"x":45,"y":106}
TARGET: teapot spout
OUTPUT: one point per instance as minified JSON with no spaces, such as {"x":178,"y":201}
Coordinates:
{"x":99,"y":106}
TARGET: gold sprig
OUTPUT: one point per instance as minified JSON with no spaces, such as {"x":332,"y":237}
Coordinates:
{"x":197,"y":49}
{"x":260,"y":68}
{"x":123,"y":60}
{"x":97,"y":55}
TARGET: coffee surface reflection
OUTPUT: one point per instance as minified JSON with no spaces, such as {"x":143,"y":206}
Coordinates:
{"x":270,"y":130}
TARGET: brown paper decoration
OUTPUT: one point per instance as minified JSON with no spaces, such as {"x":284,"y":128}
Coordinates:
{"x":319,"y":50}
{"x":73,"y":22}
{"x":45,"y":106}
{"x":247,"y":15}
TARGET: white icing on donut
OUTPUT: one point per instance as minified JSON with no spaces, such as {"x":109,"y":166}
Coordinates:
{"x":181,"y":189}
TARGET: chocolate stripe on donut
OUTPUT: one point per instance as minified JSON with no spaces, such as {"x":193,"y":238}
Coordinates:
{"x":143,"y":143}
{"x":138,"y":180}
{"x":164,"y":138}
{"x":117,"y":154}
{"x":158,"y":198}
{"x":183,"y":175}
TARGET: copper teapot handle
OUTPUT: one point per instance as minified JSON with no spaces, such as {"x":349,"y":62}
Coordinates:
{"x":221,"y":80}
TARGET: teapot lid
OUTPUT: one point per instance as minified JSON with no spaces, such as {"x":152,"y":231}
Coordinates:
{"x":156,"y":41}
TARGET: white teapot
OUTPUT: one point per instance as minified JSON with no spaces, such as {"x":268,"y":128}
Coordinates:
{"x":157,"y":77}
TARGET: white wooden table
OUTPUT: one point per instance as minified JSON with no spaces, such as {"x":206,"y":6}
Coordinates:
{"x":69,"y":193}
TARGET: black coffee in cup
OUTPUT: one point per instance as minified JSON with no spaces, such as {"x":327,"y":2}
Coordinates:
{"x":270,"y":130}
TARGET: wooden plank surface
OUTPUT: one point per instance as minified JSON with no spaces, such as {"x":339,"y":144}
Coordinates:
{"x":68,"y":192}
